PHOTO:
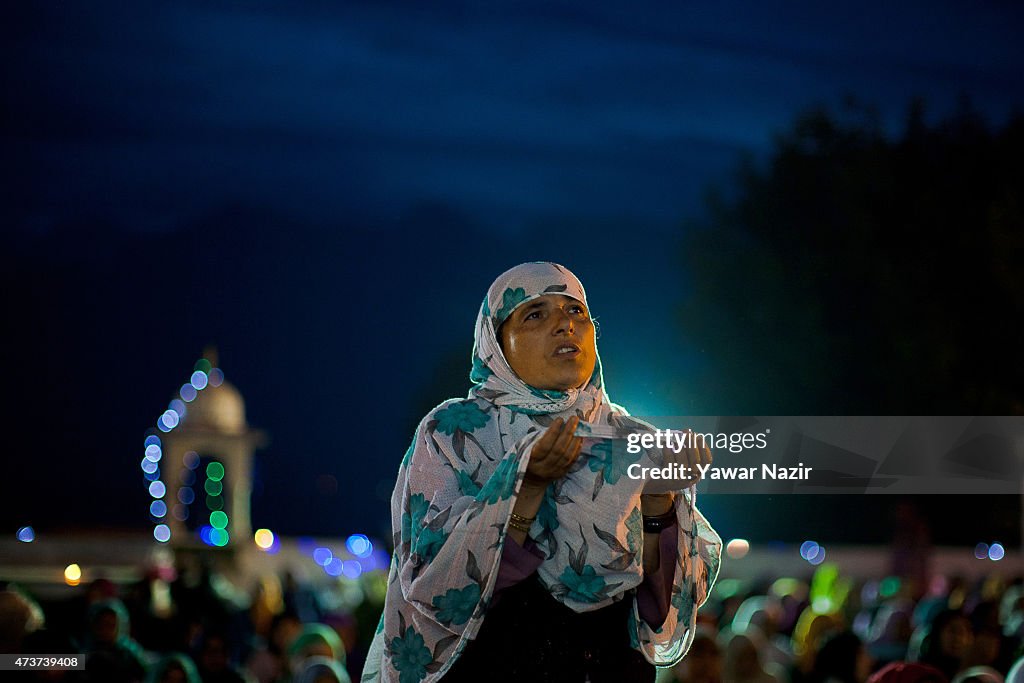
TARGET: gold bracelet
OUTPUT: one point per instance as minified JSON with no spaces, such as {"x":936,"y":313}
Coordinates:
{"x":520,"y":523}
{"x":519,"y":527}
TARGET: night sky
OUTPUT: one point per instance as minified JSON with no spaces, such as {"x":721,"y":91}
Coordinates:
{"x":325,"y":190}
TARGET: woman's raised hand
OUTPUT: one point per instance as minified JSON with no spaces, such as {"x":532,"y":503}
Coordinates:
{"x":555,"y":453}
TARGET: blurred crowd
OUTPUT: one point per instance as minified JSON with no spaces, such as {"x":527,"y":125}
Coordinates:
{"x":187,"y":624}
{"x":835,"y":630}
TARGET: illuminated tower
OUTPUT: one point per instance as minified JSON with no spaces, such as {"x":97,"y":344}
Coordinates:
{"x":202,"y":483}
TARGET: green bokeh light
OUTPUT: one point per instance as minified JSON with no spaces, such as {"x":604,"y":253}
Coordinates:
{"x":213,"y":487}
{"x":215,"y":471}
{"x":219,"y":537}
{"x":218,"y":519}
{"x":202,"y":364}
{"x":214,"y":503}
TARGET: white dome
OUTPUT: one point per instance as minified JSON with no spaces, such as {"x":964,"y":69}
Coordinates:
{"x":217,"y":408}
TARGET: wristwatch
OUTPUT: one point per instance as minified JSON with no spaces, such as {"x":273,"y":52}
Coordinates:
{"x":655,"y":524}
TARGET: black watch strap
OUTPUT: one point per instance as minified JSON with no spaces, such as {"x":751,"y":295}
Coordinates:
{"x":656,"y":524}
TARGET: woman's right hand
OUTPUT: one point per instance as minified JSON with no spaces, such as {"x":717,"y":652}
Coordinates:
{"x":555,"y":453}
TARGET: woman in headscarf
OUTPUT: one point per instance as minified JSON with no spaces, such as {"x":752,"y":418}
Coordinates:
{"x":111,"y":654}
{"x":522,"y":549}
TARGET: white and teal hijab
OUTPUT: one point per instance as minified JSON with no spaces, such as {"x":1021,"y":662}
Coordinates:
{"x":459,"y":481}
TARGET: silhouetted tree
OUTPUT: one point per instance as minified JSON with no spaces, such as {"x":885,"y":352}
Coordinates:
{"x":856,"y":273}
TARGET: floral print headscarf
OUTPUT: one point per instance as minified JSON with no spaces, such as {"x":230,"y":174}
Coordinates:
{"x":457,"y":486}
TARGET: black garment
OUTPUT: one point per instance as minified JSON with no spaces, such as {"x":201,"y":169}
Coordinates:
{"x":530,"y":636}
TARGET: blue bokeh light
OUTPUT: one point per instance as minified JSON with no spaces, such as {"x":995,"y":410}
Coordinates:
{"x":188,"y":393}
{"x":322,"y":556}
{"x":162,"y":533}
{"x":199,"y":380}
{"x":359,"y":545}
{"x":26,"y":534}
{"x":158,"y":508}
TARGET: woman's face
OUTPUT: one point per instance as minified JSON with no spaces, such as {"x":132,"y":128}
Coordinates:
{"x":549,"y":342}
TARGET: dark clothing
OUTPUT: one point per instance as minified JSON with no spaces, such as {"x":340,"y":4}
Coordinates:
{"x":653,"y":595}
{"x":530,"y":636}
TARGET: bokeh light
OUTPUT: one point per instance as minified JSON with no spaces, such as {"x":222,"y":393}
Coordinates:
{"x":264,"y":538}
{"x":215,"y":471}
{"x":216,"y":377}
{"x":148,"y":466}
{"x":151,"y":476}
{"x":186,"y":495}
{"x":202,"y":365}
{"x":153,"y":452}
{"x":199,"y":380}
{"x":219,"y":537}
{"x":72,"y":575}
{"x":818,"y":557}
{"x":737,"y":548}
{"x":204,"y":534}
{"x":808,"y":549}
{"x":214,"y":502}
{"x":379,"y":559}
{"x":158,"y":508}
{"x":26,"y":534}
{"x":981,"y":551}
{"x":191,"y":460}
{"x":351,"y":569}
{"x":157,"y":489}
{"x":334,"y":566}
{"x":218,"y":519}
{"x":152,"y":440}
{"x":996,"y":552}
{"x":170,"y":418}
{"x":359,"y":545}
{"x":213,"y":487}
{"x":162,"y":533}
{"x":180,"y":512}
{"x":188,"y":393}
{"x":322,"y":556}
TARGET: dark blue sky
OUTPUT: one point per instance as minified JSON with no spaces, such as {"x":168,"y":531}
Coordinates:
{"x":325,"y":190}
